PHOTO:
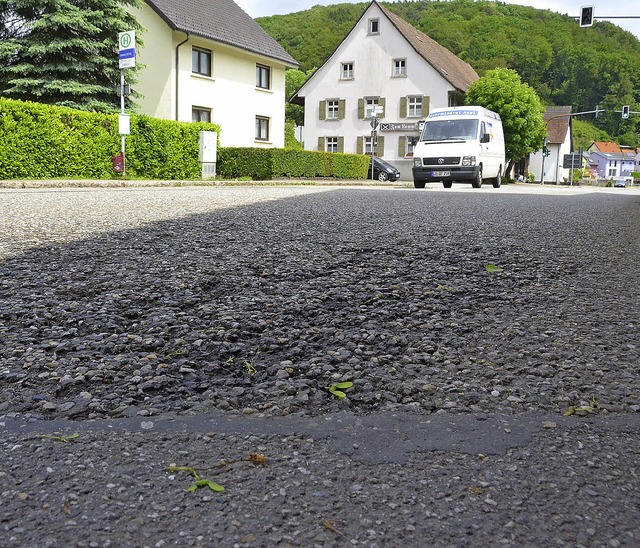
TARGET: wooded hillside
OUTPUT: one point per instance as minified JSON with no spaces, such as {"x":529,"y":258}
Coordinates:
{"x":565,"y":64}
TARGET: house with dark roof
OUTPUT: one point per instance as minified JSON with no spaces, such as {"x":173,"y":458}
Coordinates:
{"x":558,"y":143}
{"x":208,"y":60}
{"x":384,"y":69}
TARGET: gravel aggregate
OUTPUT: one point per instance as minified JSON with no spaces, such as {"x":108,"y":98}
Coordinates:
{"x":154,"y":305}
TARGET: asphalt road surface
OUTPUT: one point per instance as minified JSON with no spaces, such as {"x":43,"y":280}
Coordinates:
{"x":171,"y":361}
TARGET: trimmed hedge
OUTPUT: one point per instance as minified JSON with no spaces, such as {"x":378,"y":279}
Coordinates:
{"x":40,"y":141}
{"x":276,"y":163}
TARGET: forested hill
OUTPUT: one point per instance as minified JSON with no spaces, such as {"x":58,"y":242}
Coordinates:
{"x":565,"y":64}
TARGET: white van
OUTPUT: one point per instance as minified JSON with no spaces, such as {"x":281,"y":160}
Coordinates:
{"x":462,"y":145}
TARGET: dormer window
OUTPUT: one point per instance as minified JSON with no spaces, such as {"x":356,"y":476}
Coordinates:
{"x":374,"y":26}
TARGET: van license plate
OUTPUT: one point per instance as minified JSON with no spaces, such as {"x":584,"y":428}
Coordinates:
{"x":441,"y":174}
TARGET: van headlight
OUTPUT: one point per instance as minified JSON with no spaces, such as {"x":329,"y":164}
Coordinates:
{"x":417,"y":162}
{"x":468,"y":160}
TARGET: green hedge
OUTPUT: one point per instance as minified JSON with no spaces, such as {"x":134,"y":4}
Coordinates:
{"x":40,"y":141}
{"x":276,"y":163}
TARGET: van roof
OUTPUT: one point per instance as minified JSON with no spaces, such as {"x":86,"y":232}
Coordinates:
{"x":473,"y":111}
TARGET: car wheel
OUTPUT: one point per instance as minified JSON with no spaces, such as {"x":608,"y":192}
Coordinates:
{"x":447,"y":184}
{"x":477,"y":182}
{"x":498,"y":180}
{"x":382,"y":177}
{"x":419,"y":183}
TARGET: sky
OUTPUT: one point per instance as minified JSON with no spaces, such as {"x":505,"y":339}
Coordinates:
{"x":261,"y":8}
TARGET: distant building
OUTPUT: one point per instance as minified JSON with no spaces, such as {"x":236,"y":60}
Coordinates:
{"x":612,"y":161}
{"x":559,"y":143}
{"x":384,"y":68}
{"x":210,"y":61}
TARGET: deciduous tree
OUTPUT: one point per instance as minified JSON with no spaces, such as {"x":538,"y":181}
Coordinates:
{"x":502,"y":91}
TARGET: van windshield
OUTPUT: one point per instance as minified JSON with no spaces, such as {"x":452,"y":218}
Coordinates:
{"x":447,"y":130}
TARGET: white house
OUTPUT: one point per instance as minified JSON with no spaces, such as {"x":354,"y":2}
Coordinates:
{"x":210,"y":61}
{"x":383,"y":65}
{"x":559,"y":142}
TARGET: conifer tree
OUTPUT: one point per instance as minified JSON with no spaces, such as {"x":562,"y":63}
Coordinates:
{"x":63,"y":52}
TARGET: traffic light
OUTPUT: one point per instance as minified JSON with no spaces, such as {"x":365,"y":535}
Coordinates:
{"x":625,"y":112}
{"x":586,"y":16}
{"x":546,"y":152}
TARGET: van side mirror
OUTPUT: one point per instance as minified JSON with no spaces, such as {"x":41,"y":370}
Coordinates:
{"x":485,"y":138}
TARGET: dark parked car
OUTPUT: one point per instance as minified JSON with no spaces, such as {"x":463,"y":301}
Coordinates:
{"x":383,"y":171}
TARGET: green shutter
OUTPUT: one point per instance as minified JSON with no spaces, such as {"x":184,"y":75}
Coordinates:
{"x":320,"y":143}
{"x":342,"y":105}
{"x":361,"y":109}
{"x":403,"y":107}
{"x":426,"y":106}
{"x":340,"y":144}
{"x":381,"y":145}
{"x":322,"y":112}
{"x":360,"y":145}
{"x":402,"y":146}
{"x":383,"y":103}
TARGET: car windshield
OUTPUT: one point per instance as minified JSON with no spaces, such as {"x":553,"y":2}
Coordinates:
{"x":446,"y":130}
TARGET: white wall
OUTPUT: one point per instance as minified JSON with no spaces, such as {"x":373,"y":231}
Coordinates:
{"x":230,"y":92}
{"x":373,"y":57}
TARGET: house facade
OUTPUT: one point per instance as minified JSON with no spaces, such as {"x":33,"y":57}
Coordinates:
{"x":384,"y":71}
{"x":210,"y":61}
{"x":611,"y":161}
{"x":558,"y":143}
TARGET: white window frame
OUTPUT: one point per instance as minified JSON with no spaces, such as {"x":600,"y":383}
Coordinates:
{"x":367,"y":145}
{"x":347,"y":70}
{"x":399,"y":68}
{"x":369,"y":104}
{"x":414,"y":106}
{"x":331,"y":144}
{"x":333,"y":109}
{"x":411,"y":140}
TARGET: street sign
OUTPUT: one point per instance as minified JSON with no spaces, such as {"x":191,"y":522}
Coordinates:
{"x":572,"y":161}
{"x":374,"y":123}
{"x":586,"y":16}
{"x":127,"y":49}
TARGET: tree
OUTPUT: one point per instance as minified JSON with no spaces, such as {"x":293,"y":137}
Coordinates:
{"x":502,"y":91}
{"x":63,"y":52}
{"x":294,"y":79}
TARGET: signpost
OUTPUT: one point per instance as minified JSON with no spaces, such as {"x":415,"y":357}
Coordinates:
{"x":126,"y":59}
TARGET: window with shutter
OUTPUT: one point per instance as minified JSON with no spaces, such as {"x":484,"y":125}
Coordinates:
{"x":360,"y":145}
{"x":380,"y":147}
{"x":340,"y":144}
{"x":322,"y":110}
{"x":320,"y":143}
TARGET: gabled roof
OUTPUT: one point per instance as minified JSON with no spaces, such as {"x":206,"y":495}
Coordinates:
{"x":558,"y":123}
{"x":611,"y":148}
{"x":222,"y":21}
{"x":453,"y":69}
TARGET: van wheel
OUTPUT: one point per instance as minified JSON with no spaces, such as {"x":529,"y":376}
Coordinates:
{"x":477,"y":182}
{"x":498,"y":180}
{"x":419,"y":183}
{"x":447,"y":184}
